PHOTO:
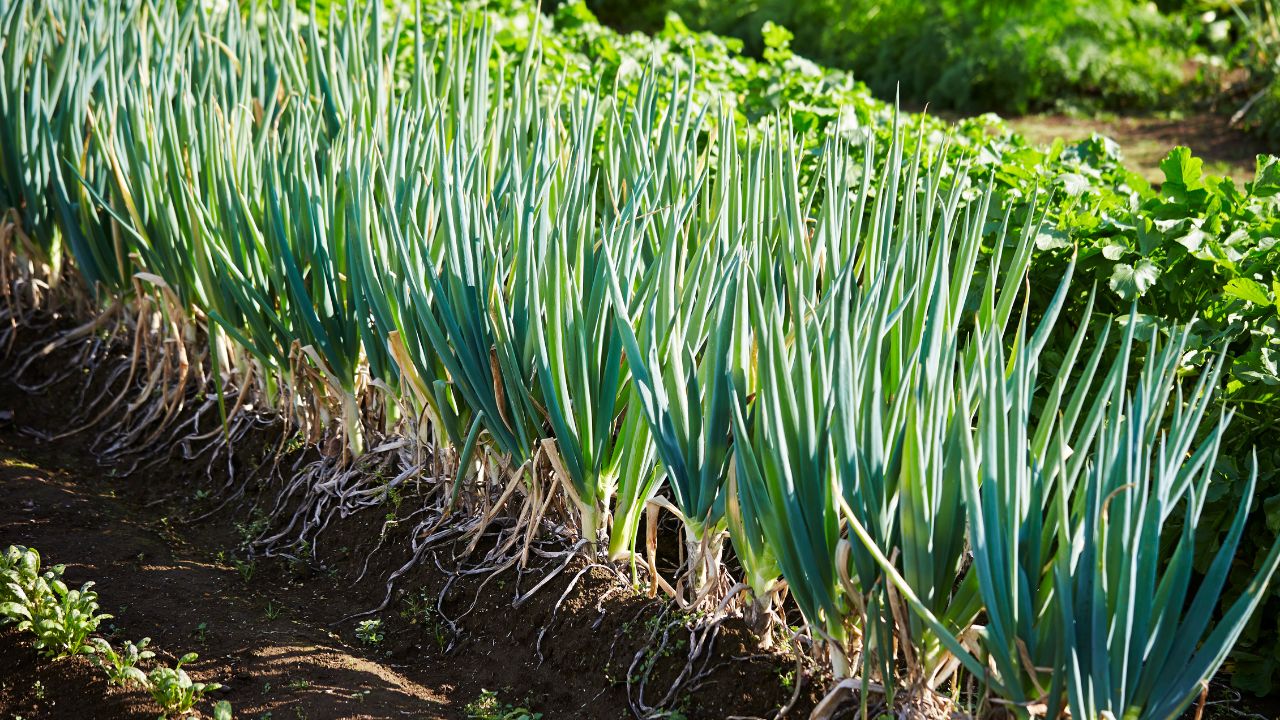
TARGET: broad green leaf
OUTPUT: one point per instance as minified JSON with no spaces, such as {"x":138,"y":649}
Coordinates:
{"x":1073,"y":184}
{"x":1248,"y":290}
{"x":1130,"y":282}
{"x":1183,"y":169}
{"x":1266,"y":181}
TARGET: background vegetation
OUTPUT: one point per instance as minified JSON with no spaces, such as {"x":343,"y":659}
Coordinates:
{"x":1014,"y":57}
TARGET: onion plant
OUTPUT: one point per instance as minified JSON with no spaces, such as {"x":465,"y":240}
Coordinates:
{"x":679,"y":292}
{"x":1070,"y":520}
{"x":579,"y":351}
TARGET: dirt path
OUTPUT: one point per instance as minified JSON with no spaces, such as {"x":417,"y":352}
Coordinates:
{"x":156,"y":585}
{"x":1146,"y":140}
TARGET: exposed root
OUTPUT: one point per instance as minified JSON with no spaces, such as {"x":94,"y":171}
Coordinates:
{"x":430,"y":533}
{"x":148,"y":366}
{"x":661,"y":641}
{"x":62,"y":340}
{"x":568,"y":589}
{"x":555,"y":610}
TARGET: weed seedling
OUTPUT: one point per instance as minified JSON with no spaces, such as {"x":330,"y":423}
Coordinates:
{"x":419,"y":609}
{"x":489,"y":707}
{"x":369,"y":632}
{"x":252,"y":529}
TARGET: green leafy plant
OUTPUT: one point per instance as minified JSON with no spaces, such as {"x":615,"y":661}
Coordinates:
{"x":489,"y":707}
{"x":63,"y":625}
{"x":966,"y":54}
{"x":369,"y":632}
{"x":174,"y":690}
{"x":121,"y":665}
{"x":61,"y":618}
{"x":19,"y":574}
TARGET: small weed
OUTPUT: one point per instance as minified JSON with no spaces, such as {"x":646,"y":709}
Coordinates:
{"x":296,"y":443}
{"x":393,"y":498}
{"x":299,"y":565}
{"x":246,"y":569}
{"x":420,"y":609}
{"x":489,"y":707}
{"x":369,"y":632}
{"x":787,"y":679}
{"x":657,"y":626}
{"x":273,"y":611}
{"x":256,"y":525}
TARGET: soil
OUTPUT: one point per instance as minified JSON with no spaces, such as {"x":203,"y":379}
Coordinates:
{"x":1146,"y":140}
{"x":277,"y":633}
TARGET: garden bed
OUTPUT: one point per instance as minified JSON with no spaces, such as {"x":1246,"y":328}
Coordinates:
{"x":453,"y":368}
{"x":276,"y":633}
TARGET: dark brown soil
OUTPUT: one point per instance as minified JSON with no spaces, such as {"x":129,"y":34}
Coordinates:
{"x":278,"y":641}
